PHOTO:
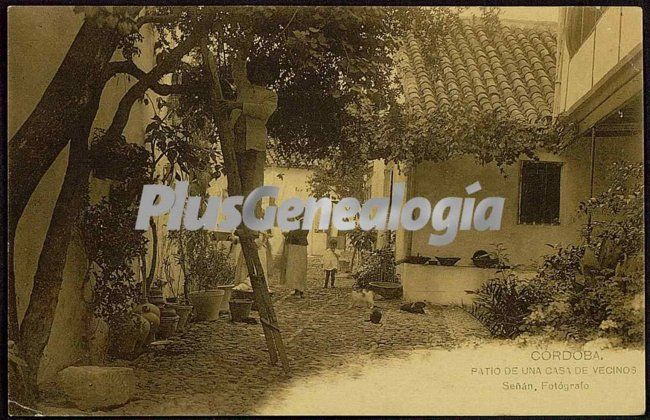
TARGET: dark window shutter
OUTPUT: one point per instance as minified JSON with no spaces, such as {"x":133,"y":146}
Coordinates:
{"x":540,"y":192}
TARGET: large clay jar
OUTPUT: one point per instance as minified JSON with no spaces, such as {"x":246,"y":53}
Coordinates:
{"x":147,"y":307}
{"x":227,"y":293}
{"x":184,"y":312}
{"x":152,"y":314}
{"x":168,"y":321}
{"x":206,"y":304}
{"x":142,"y":336}
{"x":127,"y":336}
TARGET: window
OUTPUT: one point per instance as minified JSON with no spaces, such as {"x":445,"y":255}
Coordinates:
{"x":580,"y":22}
{"x":539,"y":197}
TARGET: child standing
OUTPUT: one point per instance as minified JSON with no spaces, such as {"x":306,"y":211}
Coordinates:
{"x":330,"y":263}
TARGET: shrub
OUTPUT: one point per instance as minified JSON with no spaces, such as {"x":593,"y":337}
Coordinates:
{"x":111,"y":245}
{"x":205,"y":263}
{"x":562,"y":303}
{"x":604,"y":306}
{"x":503,"y":303}
{"x":593,"y":291}
{"x":582,"y":302}
{"x":618,"y":211}
{"x":558,"y":273}
{"x":378,"y":265}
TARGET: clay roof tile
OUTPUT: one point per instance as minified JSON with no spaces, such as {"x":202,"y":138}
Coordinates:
{"x":511,"y":69}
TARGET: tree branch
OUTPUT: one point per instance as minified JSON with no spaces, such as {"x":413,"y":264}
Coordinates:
{"x":130,"y":68}
{"x":164,"y":90}
{"x":143,"y":20}
{"x":127,"y":67}
{"x":147,"y":80}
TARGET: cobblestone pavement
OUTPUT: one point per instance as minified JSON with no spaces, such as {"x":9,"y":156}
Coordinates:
{"x":222,"y":368}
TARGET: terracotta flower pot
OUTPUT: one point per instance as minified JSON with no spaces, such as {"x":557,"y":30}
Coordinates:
{"x":206,"y":304}
{"x":184,"y":312}
{"x":240,"y":309}
{"x":242,"y":294}
{"x":247,"y":295}
{"x":227,"y":293}
{"x":387,"y":290}
{"x":168,"y":325}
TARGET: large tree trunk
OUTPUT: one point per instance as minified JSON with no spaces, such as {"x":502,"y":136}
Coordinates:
{"x":65,"y":115}
{"x":68,"y":105}
{"x":37,"y":325}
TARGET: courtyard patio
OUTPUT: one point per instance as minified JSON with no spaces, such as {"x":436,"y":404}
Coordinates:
{"x":222,"y":368}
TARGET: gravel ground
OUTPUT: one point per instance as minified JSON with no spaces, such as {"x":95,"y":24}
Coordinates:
{"x":221,"y":368}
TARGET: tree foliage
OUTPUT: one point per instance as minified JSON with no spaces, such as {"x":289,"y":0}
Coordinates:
{"x":112,"y":246}
{"x":326,"y":59}
{"x":617,"y":212}
{"x":446,"y":133}
{"x":338,"y":178}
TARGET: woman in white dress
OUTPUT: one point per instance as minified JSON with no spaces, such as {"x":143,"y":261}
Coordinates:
{"x":296,"y":261}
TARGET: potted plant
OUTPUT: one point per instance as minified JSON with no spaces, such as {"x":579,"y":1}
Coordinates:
{"x":377,"y":273}
{"x":206,"y":268}
{"x":183,"y":310}
{"x":224,"y":278}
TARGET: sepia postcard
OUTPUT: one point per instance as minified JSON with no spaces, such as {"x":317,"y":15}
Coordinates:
{"x":325,"y":210}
